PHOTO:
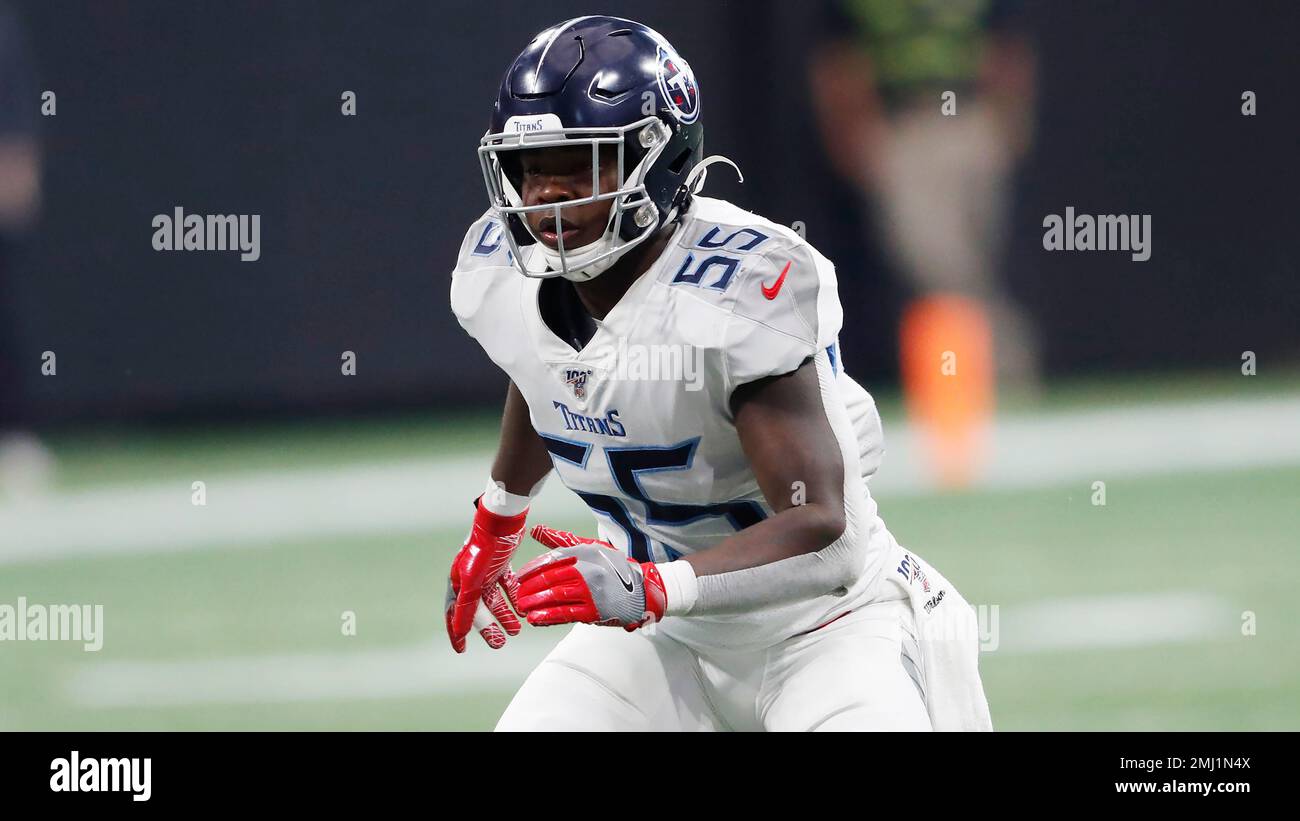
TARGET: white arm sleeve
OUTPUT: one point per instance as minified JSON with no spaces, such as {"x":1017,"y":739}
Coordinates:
{"x":830,"y":571}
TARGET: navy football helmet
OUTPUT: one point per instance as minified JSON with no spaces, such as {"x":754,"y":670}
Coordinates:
{"x":598,"y":81}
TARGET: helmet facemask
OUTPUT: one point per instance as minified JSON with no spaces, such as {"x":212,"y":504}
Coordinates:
{"x":633,"y":216}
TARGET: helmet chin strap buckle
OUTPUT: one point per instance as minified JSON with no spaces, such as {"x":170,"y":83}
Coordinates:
{"x":653,"y":134}
{"x":645,"y":215}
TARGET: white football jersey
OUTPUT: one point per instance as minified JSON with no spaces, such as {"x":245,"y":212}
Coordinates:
{"x":638,"y":422}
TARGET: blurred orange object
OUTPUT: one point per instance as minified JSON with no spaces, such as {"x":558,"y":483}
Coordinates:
{"x":946,"y":346}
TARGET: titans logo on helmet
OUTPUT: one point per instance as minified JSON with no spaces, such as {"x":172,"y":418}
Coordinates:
{"x":677,"y":85}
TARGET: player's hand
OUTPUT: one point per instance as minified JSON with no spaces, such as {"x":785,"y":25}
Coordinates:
{"x":589,"y":581}
{"x":481,"y":585}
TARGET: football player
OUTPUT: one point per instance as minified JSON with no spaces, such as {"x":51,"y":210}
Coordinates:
{"x":737,"y":546}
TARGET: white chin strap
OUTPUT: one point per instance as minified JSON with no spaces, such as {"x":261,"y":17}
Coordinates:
{"x":695,"y":182}
{"x":578,"y":261}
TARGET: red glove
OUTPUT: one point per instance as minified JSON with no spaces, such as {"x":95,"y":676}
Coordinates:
{"x":590,"y":581}
{"x":481,"y":573}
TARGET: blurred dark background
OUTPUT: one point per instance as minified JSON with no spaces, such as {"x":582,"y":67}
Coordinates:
{"x":235,"y":108}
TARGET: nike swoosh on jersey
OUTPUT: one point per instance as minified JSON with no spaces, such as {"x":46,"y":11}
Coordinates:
{"x":770,"y":291}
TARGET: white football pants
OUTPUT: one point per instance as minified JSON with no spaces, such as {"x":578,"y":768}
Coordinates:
{"x":856,"y":673}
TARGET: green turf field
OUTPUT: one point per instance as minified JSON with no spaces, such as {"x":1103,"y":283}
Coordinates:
{"x":249,"y":636}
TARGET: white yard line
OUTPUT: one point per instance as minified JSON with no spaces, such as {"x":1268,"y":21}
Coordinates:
{"x":1114,"y":621}
{"x":416,"y":496}
{"x":430,"y":669}
{"x":425,"y":669}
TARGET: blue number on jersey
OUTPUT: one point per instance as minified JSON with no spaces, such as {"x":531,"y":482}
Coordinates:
{"x":484,"y":248}
{"x":691,"y":274}
{"x":756,"y":238}
{"x":626,"y":465}
{"x":725,"y":263}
